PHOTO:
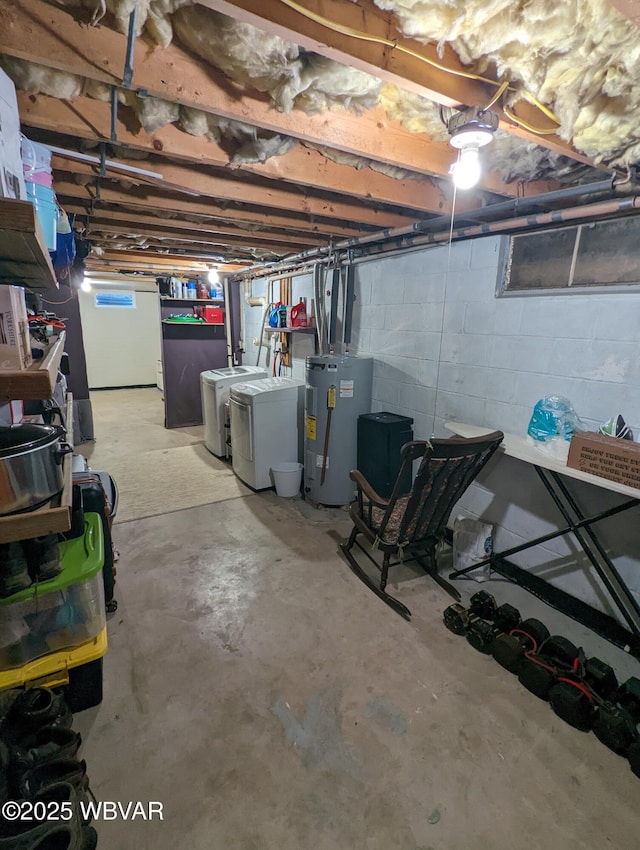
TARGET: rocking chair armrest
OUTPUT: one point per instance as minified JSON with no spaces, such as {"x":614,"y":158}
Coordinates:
{"x":367,"y":489}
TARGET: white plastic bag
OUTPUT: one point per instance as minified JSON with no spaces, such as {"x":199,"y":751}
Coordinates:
{"x":472,"y":542}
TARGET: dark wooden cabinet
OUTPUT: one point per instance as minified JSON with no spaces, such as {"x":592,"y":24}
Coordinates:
{"x":188,"y":350}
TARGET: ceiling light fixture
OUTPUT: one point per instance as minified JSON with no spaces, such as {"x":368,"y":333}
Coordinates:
{"x":213,"y":276}
{"x":85,"y":286}
{"x":470,"y":130}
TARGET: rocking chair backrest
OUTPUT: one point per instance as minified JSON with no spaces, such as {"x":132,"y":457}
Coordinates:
{"x":446,"y":469}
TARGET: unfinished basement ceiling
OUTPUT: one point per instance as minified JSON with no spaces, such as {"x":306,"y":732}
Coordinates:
{"x":277,"y":127}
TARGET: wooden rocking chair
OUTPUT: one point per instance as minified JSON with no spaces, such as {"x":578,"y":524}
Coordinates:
{"x":410,"y":526}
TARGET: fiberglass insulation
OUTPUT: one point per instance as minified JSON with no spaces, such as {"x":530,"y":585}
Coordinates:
{"x":579,"y":57}
{"x":246,"y":143}
{"x":293,"y":77}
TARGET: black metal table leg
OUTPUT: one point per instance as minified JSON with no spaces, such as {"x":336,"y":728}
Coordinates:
{"x":605,"y":568}
{"x":607,"y":571}
{"x":586,"y":521}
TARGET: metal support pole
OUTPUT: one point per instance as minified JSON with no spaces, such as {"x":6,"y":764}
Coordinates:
{"x":333,"y":313}
{"x":349,"y":298}
{"x":114,"y":114}
{"x":127,"y":74}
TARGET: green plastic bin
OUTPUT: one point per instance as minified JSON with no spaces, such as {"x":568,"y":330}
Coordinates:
{"x":62,"y":613}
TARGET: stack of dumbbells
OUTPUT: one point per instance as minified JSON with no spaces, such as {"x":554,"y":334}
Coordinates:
{"x":583,"y":691}
{"x":44,"y":789}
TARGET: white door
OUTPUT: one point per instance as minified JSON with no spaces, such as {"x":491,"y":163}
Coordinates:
{"x":121,"y":331}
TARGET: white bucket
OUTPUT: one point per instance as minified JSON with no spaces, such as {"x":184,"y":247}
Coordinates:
{"x":287,"y":477}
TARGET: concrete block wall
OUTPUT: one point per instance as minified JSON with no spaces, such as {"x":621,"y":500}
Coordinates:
{"x":497,"y":356}
{"x":446,"y":348}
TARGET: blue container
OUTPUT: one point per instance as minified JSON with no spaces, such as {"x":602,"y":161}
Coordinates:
{"x":44,"y":200}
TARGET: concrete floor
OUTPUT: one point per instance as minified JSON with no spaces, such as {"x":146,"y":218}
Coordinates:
{"x":258,"y":690}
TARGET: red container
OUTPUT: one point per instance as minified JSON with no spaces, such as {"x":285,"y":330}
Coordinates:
{"x":211,"y":315}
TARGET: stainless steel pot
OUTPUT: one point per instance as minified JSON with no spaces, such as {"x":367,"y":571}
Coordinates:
{"x":30,"y":466}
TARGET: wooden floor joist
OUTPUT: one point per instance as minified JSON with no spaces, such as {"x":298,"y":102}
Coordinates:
{"x":159,"y":203}
{"x":131,"y":259}
{"x":90,"y":119}
{"x":195,"y":234}
{"x":134,"y":220}
{"x":50,"y":36}
{"x":176,"y":246}
{"x":197,"y":183}
{"x":386,"y":61}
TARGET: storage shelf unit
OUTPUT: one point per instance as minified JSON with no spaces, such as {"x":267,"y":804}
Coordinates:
{"x":24,"y":258}
{"x":45,"y":520}
{"x":187,"y":350}
{"x":36,"y":382}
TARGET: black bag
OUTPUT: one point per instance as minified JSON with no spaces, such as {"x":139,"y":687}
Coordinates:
{"x":96,"y":492}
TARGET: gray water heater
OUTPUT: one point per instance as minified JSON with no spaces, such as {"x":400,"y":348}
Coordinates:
{"x":338,"y":391}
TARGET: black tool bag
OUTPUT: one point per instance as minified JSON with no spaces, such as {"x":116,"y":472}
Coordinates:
{"x":96,"y":492}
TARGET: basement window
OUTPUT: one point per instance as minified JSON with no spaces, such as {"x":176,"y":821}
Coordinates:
{"x":580,"y":258}
{"x":126,"y":300}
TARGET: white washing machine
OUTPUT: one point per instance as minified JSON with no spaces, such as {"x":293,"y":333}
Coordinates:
{"x":266,"y":427}
{"x":214,"y":386}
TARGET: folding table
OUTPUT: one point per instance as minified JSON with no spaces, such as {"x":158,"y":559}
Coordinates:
{"x":553,"y":472}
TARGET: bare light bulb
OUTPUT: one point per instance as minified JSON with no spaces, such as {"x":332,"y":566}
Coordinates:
{"x":466,"y":170}
{"x":85,"y":286}
{"x":213,"y":277}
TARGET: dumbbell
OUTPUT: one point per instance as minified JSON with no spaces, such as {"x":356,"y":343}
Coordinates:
{"x":481,"y":634}
{"x":509,"y":648}
{"x":616,"y":720}
{"x":538,"y":671}
{"x":633,"y":755}
{"x":457,"y":618}
{"x":602,"y":679}
{"x":577,"y":693}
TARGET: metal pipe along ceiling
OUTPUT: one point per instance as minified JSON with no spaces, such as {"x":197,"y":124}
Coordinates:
{"x":414,"y":236}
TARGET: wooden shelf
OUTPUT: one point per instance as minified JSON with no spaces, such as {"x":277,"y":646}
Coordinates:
{"x":36,"y":382}
{"x":68,"y":418}
{"x":193,"y":324}
{"x":271,"y":330}
{"x":45,"y":520}
{"x":193,"y":300}
{"x":24,"y":258}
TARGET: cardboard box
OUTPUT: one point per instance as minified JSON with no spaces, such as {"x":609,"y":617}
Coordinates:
{"x":11,"y":413}
{"x":11,"y":173}
{"x":608,"y":457}
{"x":15,"y":349}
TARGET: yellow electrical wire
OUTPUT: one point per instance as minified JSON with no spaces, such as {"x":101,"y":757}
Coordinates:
{"x":497,"y":95}
{"x":525,"y":125}
{"x":400,"y":48}
{"x":544,"y":109}
{"x":386,"y":42}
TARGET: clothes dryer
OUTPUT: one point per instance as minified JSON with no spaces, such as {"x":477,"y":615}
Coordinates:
{"x":266,"y":427}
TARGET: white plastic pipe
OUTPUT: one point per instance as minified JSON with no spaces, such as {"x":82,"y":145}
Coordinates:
{"x":250,"y":299}
{"x":109,"y":163}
